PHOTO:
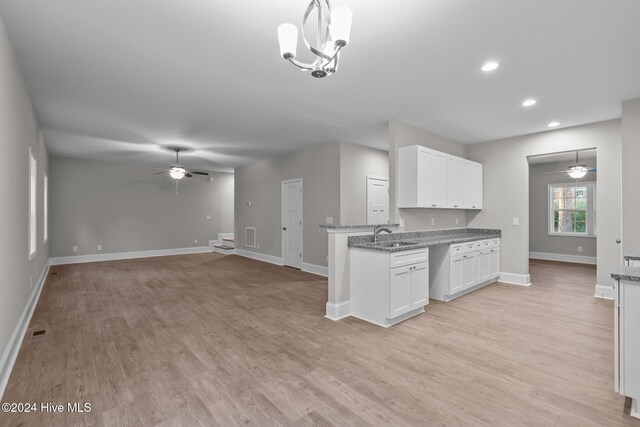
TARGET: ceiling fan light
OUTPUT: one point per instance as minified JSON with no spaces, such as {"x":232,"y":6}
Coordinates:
{"x":288,"y":39}
{"x":577,"y":172}
{"x":177,"y":172}
{"x":340,"y":27}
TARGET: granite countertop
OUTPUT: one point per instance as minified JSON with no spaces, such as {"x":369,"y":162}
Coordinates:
{"x":423,"y":239}
{"x":631,"y":274}
{"x":347,"y":226}
{"x":630,"y":256}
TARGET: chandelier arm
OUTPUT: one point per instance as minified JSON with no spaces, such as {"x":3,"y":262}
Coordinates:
{"x":306,"y":67}
{"x":321,"y":17}
{"x":335,"y":56}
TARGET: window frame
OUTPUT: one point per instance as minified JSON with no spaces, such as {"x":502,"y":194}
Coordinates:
{"x":590,"y":211}
{"x":33,"y":205}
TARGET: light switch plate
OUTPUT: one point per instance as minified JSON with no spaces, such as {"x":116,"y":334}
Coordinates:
{"x":516,"y":221}
{"x":99,"y":247}
{"x":209,"y":217}
{"x":433,"y":221}
{"x":401,"y":222}
{"x":579,"y":248}
{"x":75,"y":249}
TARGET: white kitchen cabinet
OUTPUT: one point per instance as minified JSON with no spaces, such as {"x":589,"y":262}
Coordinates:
{"x":461,"y":268}
{"x":455,"y":179}
{"x":387,"y":288}
{"x":422,"y":175}
{"x":627,"y":306}
{"x":472,"y":185}
{"x":428,"y":178}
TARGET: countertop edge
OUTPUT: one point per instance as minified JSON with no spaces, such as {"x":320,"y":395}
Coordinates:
{"x":627,"y":273}
{"x":422,"y":245}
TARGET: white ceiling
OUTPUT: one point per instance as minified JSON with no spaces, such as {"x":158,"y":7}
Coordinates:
{"x":119,"y":79}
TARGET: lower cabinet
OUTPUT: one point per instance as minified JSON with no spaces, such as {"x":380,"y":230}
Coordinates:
{"x":387,"y":288}
{"x":457,"y":268}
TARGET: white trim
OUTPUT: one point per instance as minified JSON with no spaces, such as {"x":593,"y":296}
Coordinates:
{"x":259,"y":256}
{"x":635,"y":409}
{"x":579,"y":259}
{"x":315,"y":269}
{"x":605,"y":292}
{"x":282,"y":214}
{"x":376,"y":178}
{"x":338,"y":311}
{"x":515,"y":279}
{"x":13,"y":348}
{"x":127,"y":255}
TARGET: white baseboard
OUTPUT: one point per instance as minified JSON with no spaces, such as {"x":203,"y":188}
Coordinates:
{"x":338,"y":311}
{"x":579,"y":259}
{"x":13,"y":348}
{"x":315,"y":269}
{"x":515,"y":279}
{"x":635,"y":409}
{"x":126,"y":255}
{"x":259,"y":256}
{"x":605,"y":292}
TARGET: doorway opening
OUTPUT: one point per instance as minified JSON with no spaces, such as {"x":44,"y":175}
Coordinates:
{"x":563,"y":190}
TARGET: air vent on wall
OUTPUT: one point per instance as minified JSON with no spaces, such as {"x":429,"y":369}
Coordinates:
{"x":250,"y":237}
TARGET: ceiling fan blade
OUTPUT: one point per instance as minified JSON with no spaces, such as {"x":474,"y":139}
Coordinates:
{"x":200,"y":173}
{"x":593,"y":169}
{"x":188,"y":175}
{"x":551,"y":173}
{"x":160,"y":173}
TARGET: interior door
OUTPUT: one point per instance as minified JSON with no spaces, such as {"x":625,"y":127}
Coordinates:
{"x":419,"y":285}
{"x":292,"y":223}
{"x":377,"y":200}
{"x":399,"y":291}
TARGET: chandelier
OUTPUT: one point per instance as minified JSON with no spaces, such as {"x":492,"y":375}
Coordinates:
{"x":333,"y":29}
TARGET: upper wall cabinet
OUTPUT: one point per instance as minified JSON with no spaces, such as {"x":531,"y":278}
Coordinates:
{"x":431,"y":179}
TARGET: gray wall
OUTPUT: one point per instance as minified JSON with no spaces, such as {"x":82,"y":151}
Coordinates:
{"x":402,"y":135}
{"x":18,"y":131}
{"x":506,"y":178}
{"x":261,"y":184}
{"x":539,"y":238}
{"x":356,"y":162}
{"x":125,"y":207}
{"x":631,"y":175}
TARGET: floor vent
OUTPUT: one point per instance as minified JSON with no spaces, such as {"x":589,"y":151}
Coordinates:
{"x":41,"y":332}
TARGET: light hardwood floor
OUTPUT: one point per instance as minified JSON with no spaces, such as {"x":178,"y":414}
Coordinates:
{"x":208,"y":339}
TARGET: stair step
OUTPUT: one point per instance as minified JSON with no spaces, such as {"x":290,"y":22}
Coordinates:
{"x":225,"y":247}
{"x":228,"y":240}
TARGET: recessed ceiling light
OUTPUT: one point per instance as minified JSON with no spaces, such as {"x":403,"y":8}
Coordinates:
{"x":553,"y":124}
{"x":529,"y":102}
{"x":490,"y":66}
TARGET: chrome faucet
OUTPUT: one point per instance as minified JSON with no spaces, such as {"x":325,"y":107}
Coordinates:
{"x":377,"y":230}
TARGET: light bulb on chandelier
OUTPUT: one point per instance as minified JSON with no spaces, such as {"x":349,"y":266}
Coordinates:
{"x":333,"y":31}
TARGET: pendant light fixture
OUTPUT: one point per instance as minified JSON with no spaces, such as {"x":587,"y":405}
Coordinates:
{"x":332,"y":34}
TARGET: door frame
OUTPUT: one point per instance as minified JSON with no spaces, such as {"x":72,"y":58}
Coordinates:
{"x":366,"y":191}
{"x":282,"y":219}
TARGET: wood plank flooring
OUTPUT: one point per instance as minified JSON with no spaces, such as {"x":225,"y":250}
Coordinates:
{"x":207,"y":339}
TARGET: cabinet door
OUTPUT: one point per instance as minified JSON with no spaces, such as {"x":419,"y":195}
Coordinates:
{"x":399,"y":291}
{"x":472,"y":185}
{"x":437,"y":180}
{"x":422,"y":183}
{"x":469,"y":275}
{"x":455,"y":173}
{"x":455,"y":274}
{"x":419,"y":285}
{"x":483,"y":263}
{"x":495,"y":262}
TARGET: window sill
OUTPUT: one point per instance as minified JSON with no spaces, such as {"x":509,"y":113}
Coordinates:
{"x":571,"y":235}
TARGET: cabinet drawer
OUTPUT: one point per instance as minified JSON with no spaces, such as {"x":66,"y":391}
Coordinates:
{"x":484,"y":244}
{"x":455,"y":249}
{"x":470,"y":247}
{"x":494,"y":243}
{"x":399,"y":259}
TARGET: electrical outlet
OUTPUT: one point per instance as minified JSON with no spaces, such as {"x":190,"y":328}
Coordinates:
{"x":99,"y":247}
{"x":433,"y":221}
{"x":516,"y":221}
{"x":457,"y":220}
{"x":75,"y":249}
{"x":401,"y":222}
{"x":195,"y":241}
{"x":258,"y":246}
{"x":209,"y":217}
{"x":579,"y":248}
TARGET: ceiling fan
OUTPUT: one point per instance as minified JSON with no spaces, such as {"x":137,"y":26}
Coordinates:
{"x":575,"y":170}
{"x":176,"y":170}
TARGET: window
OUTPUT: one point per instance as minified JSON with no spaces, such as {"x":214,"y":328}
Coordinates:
{"x":45,"y":201}
{"x":572,"y":209}
{"x":33,"y":183}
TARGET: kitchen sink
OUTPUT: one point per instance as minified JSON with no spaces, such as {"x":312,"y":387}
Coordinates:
{"x":394,"y":244}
